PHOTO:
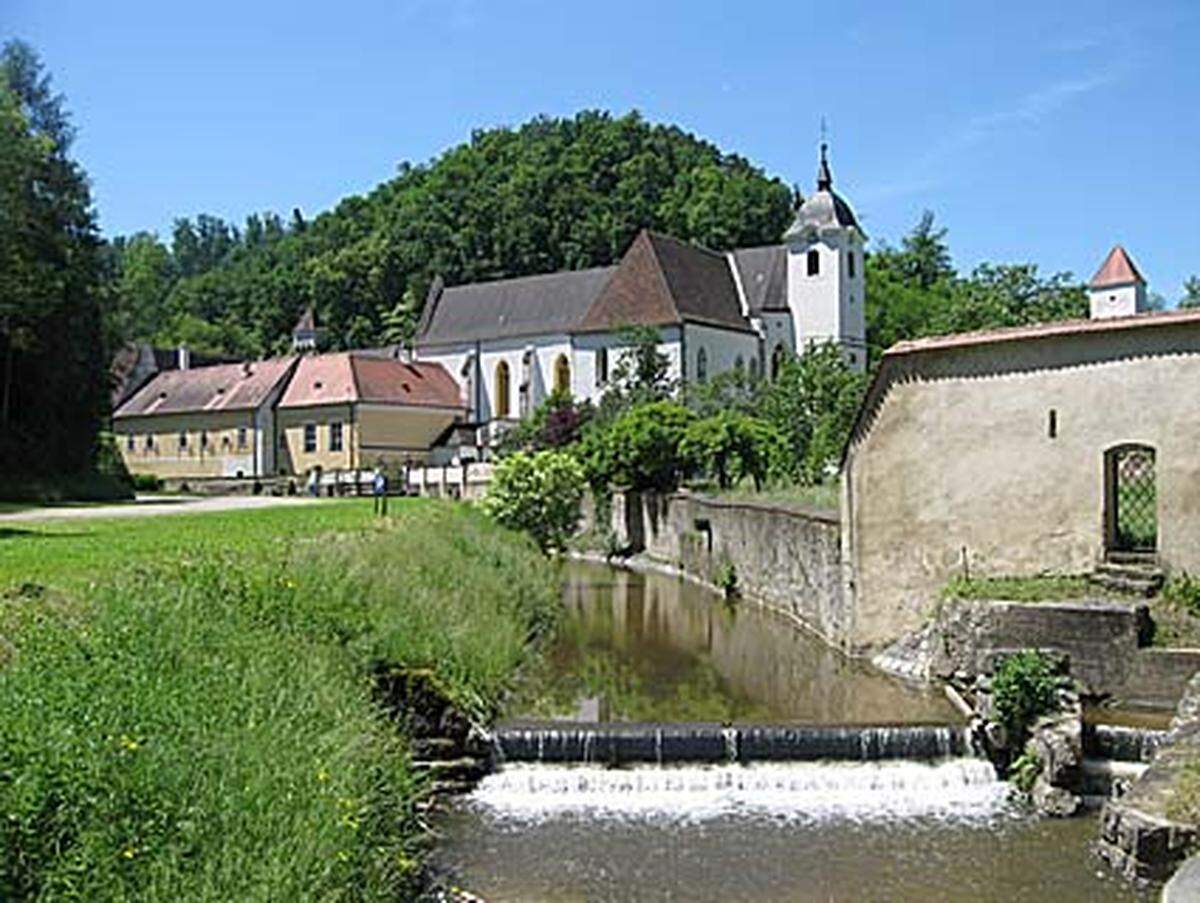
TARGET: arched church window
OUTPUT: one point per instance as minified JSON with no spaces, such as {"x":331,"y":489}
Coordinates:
{"x":503,"y":389}
{"x":701,"y":365}
{"x":777,"y":360}
{"x":850,"y":264}
{"x":562,"y":375}
{"x":814,"y":262}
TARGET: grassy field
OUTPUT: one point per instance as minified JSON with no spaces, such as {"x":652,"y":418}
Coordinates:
{"x":187,"y":702}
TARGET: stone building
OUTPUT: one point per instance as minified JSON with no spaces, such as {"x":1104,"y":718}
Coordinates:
{"x":216,"y":421}
{"x":1047,"y":449}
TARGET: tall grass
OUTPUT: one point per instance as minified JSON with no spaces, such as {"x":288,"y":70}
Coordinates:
{"x":206,"y":727}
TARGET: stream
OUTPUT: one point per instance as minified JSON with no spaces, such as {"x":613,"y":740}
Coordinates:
{"x":838,"y":802}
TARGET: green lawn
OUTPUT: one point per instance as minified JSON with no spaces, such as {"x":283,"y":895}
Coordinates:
{"x":188,"y":707}
{"x":67,"y":553}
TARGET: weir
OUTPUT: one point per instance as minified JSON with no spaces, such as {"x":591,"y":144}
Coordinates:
{"x":622,"y":744}
{"x":1121,"y":744}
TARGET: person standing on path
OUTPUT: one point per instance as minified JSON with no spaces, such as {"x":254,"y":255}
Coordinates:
{"x":379,"y":488}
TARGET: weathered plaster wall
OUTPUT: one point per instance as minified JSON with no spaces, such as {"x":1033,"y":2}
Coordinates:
{"x":957,"y":469}
{"x":787,"y":559}
{"x":219,"y":444}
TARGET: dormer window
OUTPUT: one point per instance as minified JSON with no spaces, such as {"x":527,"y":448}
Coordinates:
{"x":814,"y":262}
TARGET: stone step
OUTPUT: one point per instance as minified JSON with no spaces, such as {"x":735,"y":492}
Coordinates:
{"x":1107,"y":778}
{"x":464,"y":769}
{"x":1127,"y":586}
{"x":436,"y":748}
{"x":1133,"y":571}
{"x":453,"y":788}
{"x":1149,"y":558}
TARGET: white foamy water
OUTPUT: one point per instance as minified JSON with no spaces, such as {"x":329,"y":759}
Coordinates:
{"x":957,"y":789}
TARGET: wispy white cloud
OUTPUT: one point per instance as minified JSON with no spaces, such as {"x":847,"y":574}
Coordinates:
{"x":926,"y":172}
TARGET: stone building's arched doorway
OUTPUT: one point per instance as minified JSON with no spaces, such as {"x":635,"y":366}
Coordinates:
{"x":1130,"y":499}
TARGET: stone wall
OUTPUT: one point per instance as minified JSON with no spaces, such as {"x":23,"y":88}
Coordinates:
{"x":788,"y":559}
{"x":990,"y":460}
{"x":1156,"y":677}
{"x":1100,"y":639}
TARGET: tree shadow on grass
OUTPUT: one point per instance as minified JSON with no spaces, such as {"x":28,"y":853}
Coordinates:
{"x":23,"y":533}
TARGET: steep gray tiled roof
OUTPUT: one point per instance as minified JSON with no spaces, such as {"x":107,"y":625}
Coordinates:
{"x":763,"y":274}
{"x":506,"y":308}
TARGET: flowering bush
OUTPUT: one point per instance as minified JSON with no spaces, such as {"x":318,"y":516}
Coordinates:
{"x":538,"y":492}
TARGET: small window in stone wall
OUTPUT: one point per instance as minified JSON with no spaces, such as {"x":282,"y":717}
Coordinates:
{"x":183,"y":440}
{"x":814,"y":262}
{"x":149,"y":442}
{"x":129,"y":442}
{"x":335,"y":437}
{"x":850,"y":265}
{"x":241,"y":437}
{"x":204,"y":439}
{"x":1052,"y":424}
{"x":310,"y":437}
{"x":601,"y":366}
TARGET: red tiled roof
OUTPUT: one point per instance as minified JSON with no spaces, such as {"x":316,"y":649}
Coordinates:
{"x":388,"y":381}
{"x":1117,"y":269}
{"x":348,"y":377}
{"x":1044,"y":330}
{"x":225,"y":387}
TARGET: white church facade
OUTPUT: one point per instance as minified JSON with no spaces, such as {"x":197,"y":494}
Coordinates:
{"x":511,"y":343}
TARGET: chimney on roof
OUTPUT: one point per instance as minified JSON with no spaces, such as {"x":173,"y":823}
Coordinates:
{"x":1117,"y":289}
{"x":183,"y":357}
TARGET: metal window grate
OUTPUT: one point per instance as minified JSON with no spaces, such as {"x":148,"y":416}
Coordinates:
{"x":1137,"y":501}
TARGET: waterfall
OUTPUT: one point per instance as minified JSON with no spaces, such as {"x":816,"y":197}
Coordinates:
{"x":957,"y":789}
{"x":1121,"y":744}
{"x":620,"y":744}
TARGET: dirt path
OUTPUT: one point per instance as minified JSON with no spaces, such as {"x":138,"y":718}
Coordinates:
{"x":153,"y":506}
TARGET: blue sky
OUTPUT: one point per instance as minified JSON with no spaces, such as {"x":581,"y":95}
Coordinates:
{"x":1035,"y":131}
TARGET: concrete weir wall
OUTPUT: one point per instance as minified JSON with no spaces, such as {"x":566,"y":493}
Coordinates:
{"x":785,"y":558}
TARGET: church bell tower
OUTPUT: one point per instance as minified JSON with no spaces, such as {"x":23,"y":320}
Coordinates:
{"x":825,"y":278}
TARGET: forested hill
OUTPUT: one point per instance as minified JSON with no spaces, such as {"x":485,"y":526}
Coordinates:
{"x":549,"y":195}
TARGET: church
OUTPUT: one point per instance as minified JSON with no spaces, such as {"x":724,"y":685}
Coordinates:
{"x":511,"y":343}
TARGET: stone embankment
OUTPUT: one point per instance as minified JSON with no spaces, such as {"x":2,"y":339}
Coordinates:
{"x":1106,"y":642}
{"x":1143,"y":834}
{"x":784,"y":557}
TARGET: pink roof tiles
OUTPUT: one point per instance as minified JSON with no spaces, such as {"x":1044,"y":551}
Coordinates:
{"x":1117,"y":269}
{"x":224,"y":387}
{"x":349,"y":377}
{"x":1045,"y":330}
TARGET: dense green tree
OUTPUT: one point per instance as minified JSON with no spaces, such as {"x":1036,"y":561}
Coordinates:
{"x":1191,"y":292}
{"x":914,"y":291}
{"x":730,"y":447}
{"x":813,"y":402}
{"x":552,"y":194}
{"x":53,"y":362}
{"x":639,"y":449}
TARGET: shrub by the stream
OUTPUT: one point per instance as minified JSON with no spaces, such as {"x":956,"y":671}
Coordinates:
{"x":538,"y":492}
{"x":1023,"y":688}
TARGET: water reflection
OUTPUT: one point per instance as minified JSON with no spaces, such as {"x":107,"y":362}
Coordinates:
{"x":650,"y":647}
